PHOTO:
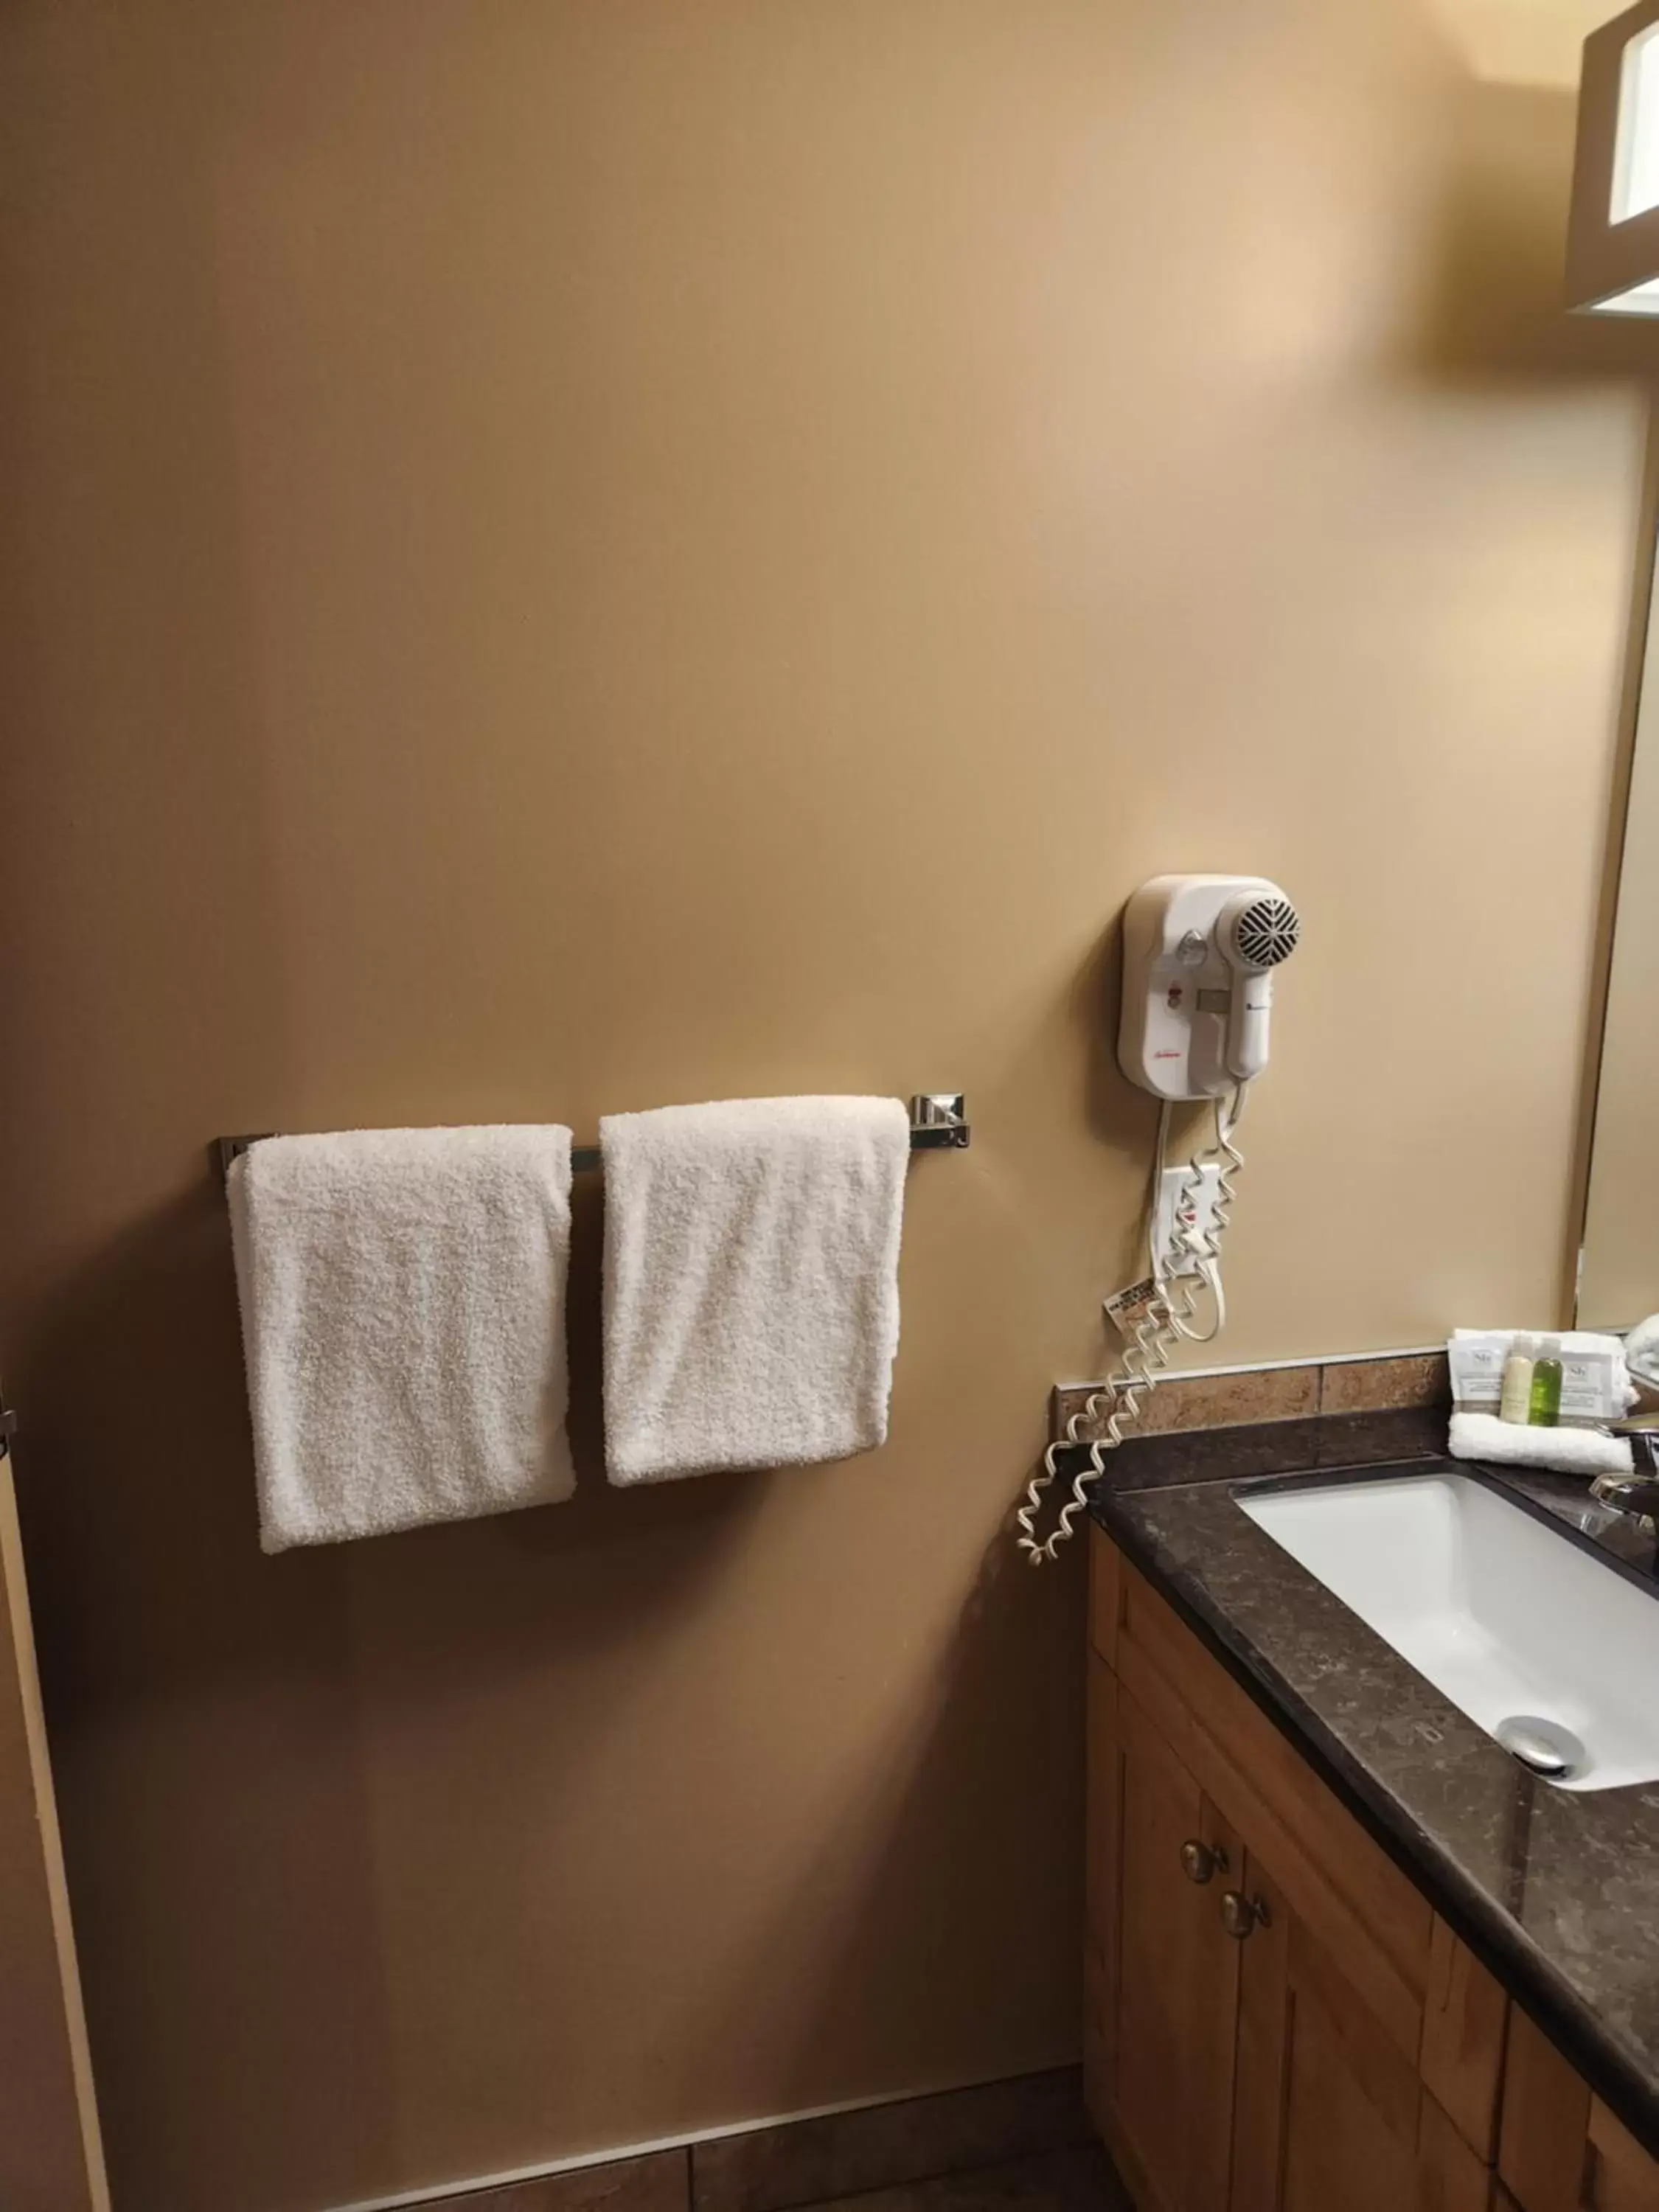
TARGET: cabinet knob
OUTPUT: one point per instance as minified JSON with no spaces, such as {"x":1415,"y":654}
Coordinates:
{"x":1240,"y":1914}
{"x":1199,"y":1861}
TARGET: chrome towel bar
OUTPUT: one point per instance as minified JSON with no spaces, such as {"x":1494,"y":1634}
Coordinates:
{"x":938,"y":1123}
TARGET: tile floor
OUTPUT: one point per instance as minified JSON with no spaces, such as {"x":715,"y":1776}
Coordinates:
{"x":1076,"y":2180}
{"x":1013,"y":2146}
{"x":871,"y":2153}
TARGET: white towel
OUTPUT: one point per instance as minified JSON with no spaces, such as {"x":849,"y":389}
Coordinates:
{"x":1516,"y":1444}
{"x":751,"y":1282}
{"x":1641,"y":1352}
{"x":402,"y":1321}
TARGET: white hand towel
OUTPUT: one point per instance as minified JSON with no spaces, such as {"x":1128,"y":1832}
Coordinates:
{"x":1515,"y":1443}
{"x":402,"y":1321}
{"x":751,"y":1282}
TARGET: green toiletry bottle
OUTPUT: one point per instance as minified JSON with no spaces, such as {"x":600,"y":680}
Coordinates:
{"x":1544,"y":1402}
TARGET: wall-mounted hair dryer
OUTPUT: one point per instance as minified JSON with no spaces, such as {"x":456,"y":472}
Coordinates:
{"x":1199,"y":956}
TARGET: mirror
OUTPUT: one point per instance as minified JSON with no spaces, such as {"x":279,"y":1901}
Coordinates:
{"x":1619,"y":1271}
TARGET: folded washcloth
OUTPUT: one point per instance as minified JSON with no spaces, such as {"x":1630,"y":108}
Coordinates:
{"x":751,"y":1282}
{"x":1641,"y":1352}
{"x":403,"y":1320}
{"x":1513,"y":1443}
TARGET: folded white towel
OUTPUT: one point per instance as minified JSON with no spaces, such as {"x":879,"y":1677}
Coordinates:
{"x":402,"y":1321}
{"x":1641,"y":1352}
{"x":1513,"y":1443}
{"x":751,"y":1282}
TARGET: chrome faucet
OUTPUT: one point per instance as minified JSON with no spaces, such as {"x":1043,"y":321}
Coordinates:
{"x":1635,"y":1494}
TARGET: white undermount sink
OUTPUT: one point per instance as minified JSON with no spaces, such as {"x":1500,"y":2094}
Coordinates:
{"x":1554,"y":1654}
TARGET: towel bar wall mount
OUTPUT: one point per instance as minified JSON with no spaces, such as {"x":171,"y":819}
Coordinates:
{"x":938,"y":1123}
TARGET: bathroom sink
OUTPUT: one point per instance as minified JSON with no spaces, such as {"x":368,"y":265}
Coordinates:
{"x":1555,"y":1654}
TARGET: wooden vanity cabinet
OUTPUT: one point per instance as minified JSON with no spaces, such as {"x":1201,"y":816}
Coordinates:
{"x":1562,"y":2151}
{"x":1326,"y":2109}
{"x":1170,"y":2002}
{"x":1276,"y":2020}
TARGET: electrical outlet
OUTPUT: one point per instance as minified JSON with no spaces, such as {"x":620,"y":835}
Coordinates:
{"x":1201,"y":1191}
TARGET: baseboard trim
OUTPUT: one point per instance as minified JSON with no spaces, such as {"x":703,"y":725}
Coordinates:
{"x":435,"y":2195}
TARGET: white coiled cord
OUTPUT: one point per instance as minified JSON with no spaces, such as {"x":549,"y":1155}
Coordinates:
{"x":1166,"y":1322}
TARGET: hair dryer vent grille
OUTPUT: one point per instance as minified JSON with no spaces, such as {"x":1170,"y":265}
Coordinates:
{"x":1267,"y":933}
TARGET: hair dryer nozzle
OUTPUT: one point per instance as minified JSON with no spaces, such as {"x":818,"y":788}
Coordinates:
{"x":1259,"y":933}
{"x":1259,"y":929}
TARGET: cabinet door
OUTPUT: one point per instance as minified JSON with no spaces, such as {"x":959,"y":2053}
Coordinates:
{"x":1619,"y":2174}
{"x":1102,"y":1874}
{"x":1543,"y":2144}
{"x":1326,"y":2108}
{"x":1174,"y":2006}
{"x":1561,"y":2149}
{"x":1451,"y":2176}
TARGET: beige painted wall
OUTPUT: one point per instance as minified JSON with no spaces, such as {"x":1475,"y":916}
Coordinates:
{"x":560,"y":557}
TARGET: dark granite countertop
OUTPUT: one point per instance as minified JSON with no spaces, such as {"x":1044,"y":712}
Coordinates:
{"x":1557,"y":1890}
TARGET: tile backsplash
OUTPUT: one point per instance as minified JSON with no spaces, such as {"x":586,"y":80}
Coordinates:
{"x":1272,"y":1420}
{"x":1275,"y":1394}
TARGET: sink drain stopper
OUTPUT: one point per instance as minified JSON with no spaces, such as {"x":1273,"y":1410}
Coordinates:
{"x":1545,"y":1746}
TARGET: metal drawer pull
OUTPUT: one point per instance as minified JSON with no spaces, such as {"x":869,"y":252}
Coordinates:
{"x":1199,"y":1861}
{"x":1240,"y":1914}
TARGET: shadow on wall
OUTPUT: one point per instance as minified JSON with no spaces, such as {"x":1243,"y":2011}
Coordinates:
{"x":165,"y":1628}
{"x":229,"y":1854}
{"x":1095,"y":1000}
{"x":893,"y":1884}
{"x":1493,"y":309}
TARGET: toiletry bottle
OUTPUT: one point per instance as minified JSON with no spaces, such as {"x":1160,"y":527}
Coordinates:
{"x":1515,"y":1399}
{"x":1543,"y":1400}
